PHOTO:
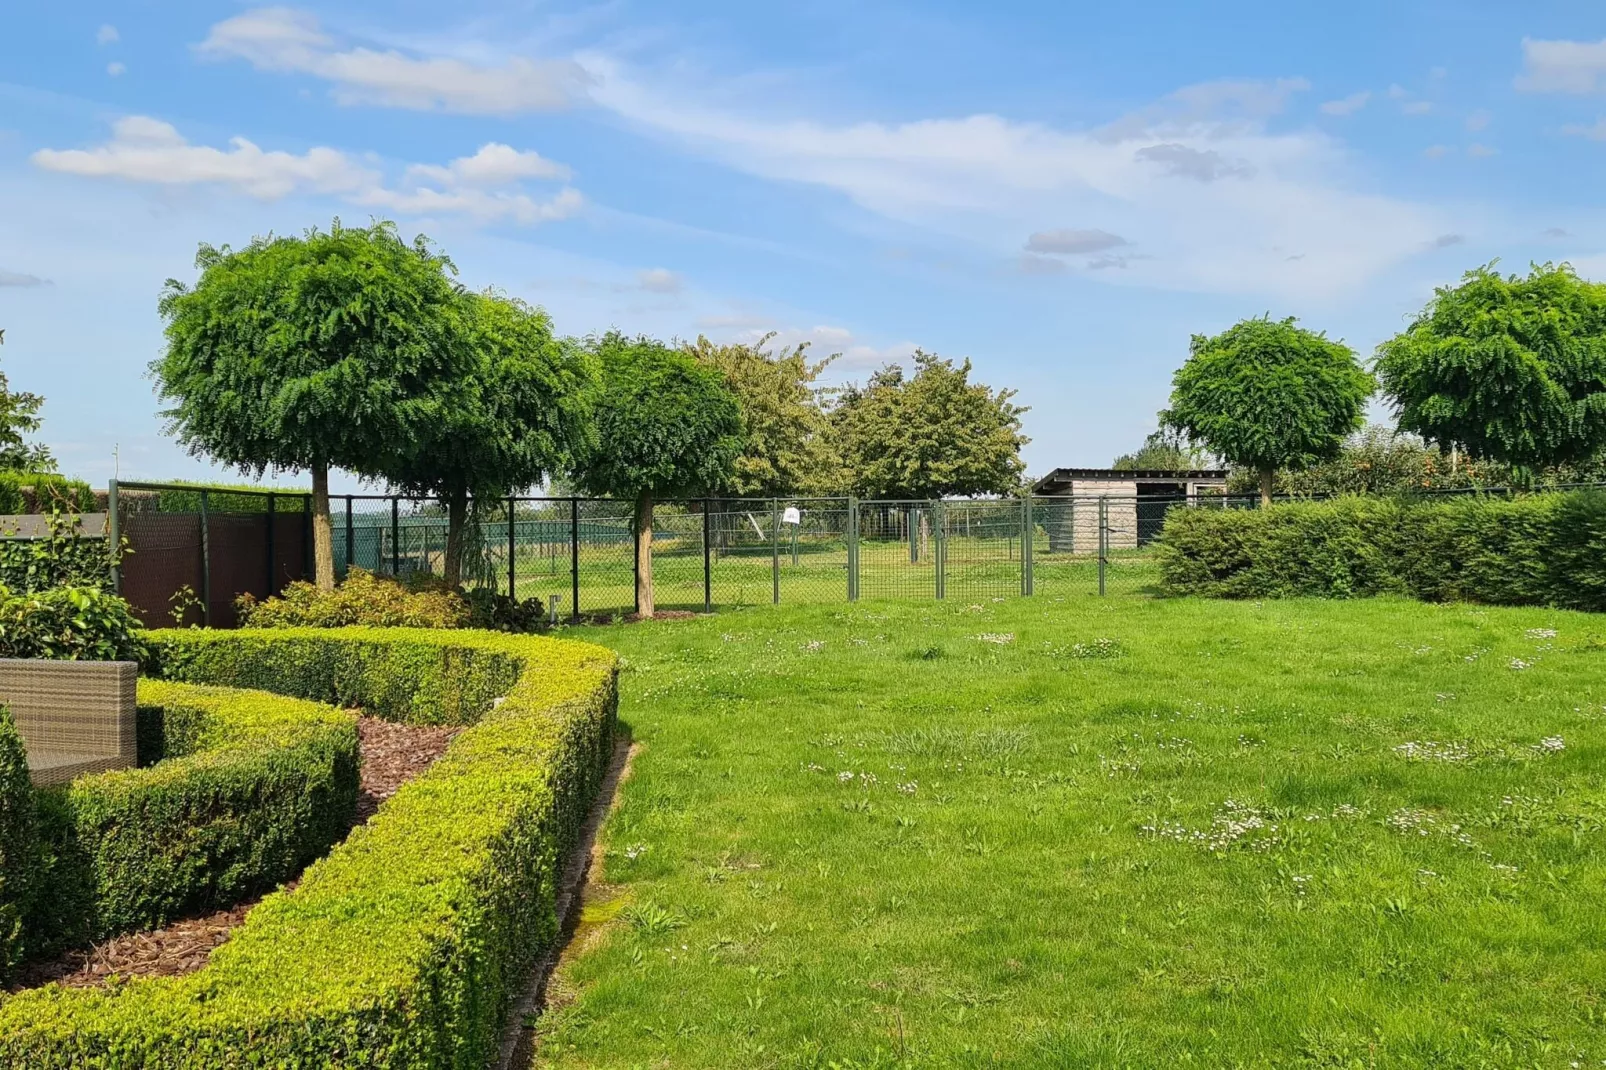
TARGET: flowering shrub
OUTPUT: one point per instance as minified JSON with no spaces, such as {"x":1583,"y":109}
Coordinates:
{"x":369,"y":600}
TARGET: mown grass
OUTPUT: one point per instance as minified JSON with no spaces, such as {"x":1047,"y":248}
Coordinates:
{"x":1075,"y":832}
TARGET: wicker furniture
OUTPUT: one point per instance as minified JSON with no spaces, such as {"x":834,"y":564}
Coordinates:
{"x":75,"y":717}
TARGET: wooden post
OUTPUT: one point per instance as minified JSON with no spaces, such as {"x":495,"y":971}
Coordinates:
{"x":114,"y":536}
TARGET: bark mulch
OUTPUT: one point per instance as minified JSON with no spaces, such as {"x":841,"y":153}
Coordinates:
{"x":392,"y":754}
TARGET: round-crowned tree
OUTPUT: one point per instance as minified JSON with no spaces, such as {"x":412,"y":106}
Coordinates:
{"x":664,"y":426}
{"x":334,"y":349}
{"x":1509,"y":368}
{"x":1268,"y":394}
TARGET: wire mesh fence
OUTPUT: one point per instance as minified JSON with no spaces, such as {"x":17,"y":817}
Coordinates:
{"x":578,"y":555}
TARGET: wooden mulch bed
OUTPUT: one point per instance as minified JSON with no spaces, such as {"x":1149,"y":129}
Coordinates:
{"x":392,"y":754}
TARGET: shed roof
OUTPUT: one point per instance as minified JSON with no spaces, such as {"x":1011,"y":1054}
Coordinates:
{"x":1059,"y":477}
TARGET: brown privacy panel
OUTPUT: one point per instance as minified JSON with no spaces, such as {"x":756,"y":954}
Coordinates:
{"x":164,"y":556}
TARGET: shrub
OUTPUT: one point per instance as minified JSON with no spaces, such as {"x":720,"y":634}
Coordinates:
{"x":69,"y":624}
{"x":16,"y":842}
{"x":365,"y":599}
{"x":64,"y":557}
{"x":405,"y":945}
{"x":242,"y":789}
{"x":36,"y":492}
{"x":1546,"y":549}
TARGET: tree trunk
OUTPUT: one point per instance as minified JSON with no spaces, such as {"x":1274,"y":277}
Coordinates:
{"x":323,"y":532}
{"x":456,"y":521}
{"x":1268,"y":477}
{"x":644,"y":555}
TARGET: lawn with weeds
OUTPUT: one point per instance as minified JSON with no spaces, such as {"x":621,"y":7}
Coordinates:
{"x":1040,"y":832}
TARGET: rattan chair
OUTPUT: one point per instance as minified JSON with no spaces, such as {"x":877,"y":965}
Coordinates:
{"x":75,"y":717}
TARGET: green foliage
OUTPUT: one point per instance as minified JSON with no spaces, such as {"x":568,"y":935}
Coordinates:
{"x":406,"y":944}
{"x":785,"y":428}
{"x":42,"y":492}
{"x":1511,"y":368}
{"x":19,"y":417}
{"x":928,"y":436}
{"x":1267,"y":394}
{"x":69,"y":624}
{"x":225,"y":498}
{"x":332,"y":349}
{"x":1163,"y":452}
{"x":63,"y":557}
{"x":666,"y":426}
{"x":517,"y":411}
{"x":17,"y":852}
{"x":248,"y":789}
{"x":375,"y":601}
{"x":1544,"y":549}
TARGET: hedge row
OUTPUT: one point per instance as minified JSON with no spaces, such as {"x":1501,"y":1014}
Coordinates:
{"x":17,"y":848}
{"x":240,"y":790}
{"x":32,"y":492}
{"x":405,"y":945}
{"x":1546,"y":549}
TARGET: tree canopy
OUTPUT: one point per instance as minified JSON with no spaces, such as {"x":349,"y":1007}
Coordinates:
{"x":928,"y":435}
{"x":1509,"y":368}
{"x":1268,"y":394}
{"x":19,"y":417}
{"x":1163,"y":451}
{"x":785,"y":428}
{"x":518,"y":411}
{"x":330,"y":349}
{"x":666,"y":426}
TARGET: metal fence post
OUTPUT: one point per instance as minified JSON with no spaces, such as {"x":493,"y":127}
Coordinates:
{"x":395,"y":536}
{"x":939,"y":548}
{"x":351,"y":536}
{"x":512,"y":552}
{"x":206,"y":563}
{"x":1028,"y":535}
{"x":273,"y":524}
{"x":708,"y":561}
{"x":574,"y":557}
{"x":1104,"y":539}
{"x":775,"y":549}
{"x":853,"y":549}
{"x":114,"y":536}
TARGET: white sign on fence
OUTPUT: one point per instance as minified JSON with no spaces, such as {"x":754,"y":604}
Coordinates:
{"x":792,"y":515}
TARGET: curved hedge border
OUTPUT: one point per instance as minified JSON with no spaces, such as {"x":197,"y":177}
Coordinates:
{"x":16,"y":842}
{"x":404,"y":947}
{"x":238,"y":792}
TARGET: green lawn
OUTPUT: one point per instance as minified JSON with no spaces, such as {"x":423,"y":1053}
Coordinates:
{"x":964,"y":834}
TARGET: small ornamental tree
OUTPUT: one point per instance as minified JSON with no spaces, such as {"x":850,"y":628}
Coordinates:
{"x":1508,"y":368}
{"x":516,"y":412}
{"x":334,"y":349}
{"x":665,"y":426}
{"x":19,"y":417}
{"x":1267,"y":394}
{"x":933,"y":434}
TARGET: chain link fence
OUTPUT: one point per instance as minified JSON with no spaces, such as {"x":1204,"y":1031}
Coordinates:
{"x":194,"y":551}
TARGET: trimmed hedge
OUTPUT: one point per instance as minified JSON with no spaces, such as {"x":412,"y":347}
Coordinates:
{"x":365,"y":599}
{"x":1545,"y":549}
{"x":16,"y":842}
{"x":40,"y":492}
{"x":405,"y":946}
{"x":240,"y":791}
{"x":69,"y":624}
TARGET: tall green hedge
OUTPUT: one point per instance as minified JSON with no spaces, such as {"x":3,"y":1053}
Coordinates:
{"x":17,"y":855}
{"x":1544,"y":549}
{"x":405,"y":946}
{"x":30,"y":492}
{"x":249,"y":788}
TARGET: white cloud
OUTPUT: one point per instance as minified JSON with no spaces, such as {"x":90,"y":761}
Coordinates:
{"x":1348,"y":105}
{"x":660,"y":281}
{"x":115,"y":69}
{"x":107,"y":34}
{"x":148,"y":150}
{"x":978,"y":177}
{"x":1562,"y":66}
{"x":494,"y":164}
{"x":1478,"y":120}
{"x":855,"y":354}
{"x":1436,"y":152}
{"x":1073,"y":241}
{"x":1417,"y":107}
{"x":290,"y":41}
{"x":1477,"y":150}
{"x":1595,"y":131}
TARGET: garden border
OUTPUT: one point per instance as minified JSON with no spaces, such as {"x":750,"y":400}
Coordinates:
{"x":406,"y":945}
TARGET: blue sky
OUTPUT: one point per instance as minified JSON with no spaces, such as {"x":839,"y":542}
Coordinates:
{"x":1063,"y":193}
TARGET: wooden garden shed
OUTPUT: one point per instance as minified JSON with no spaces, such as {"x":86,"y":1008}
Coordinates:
{"x":1134,"y":508}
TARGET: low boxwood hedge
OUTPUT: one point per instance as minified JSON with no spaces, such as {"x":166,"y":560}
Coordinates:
{"x":405,"y":945}
{"x":1542,"y":549}
{"x":239,"y":791}
{"x":16,"y":843}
